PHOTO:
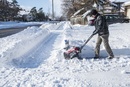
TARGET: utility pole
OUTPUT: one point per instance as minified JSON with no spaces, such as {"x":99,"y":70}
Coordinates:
{"x":52,"y":10}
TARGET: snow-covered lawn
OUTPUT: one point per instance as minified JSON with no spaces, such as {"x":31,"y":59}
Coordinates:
{"x":34,"y":58}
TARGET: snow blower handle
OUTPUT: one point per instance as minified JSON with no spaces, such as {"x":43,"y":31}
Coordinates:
{"x":86,"y":42}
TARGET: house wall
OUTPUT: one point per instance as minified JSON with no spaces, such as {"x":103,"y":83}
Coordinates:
{"x":128,"y":12}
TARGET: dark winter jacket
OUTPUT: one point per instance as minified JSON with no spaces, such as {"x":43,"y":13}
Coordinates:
{"x":101,"y":27}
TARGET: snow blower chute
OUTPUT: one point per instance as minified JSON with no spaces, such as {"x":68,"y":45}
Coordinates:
{"x":74,"y":51}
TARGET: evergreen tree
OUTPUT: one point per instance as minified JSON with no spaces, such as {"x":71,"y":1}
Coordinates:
{"x":9,"y":10}
{"x":40,"y":15}
{"x":4,"y":10}
{"x":33,"y":13}
{"x":15,"y":8}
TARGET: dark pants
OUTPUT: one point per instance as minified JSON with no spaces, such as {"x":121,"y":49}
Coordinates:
{"x":104,"y":39}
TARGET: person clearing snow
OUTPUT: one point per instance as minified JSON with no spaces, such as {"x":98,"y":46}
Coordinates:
{"x":101,"y":28}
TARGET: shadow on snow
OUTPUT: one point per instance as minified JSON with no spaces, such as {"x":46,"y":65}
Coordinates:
{"x":88,"y":52}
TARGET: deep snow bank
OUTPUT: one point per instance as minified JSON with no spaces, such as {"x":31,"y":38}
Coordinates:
{"x":17,"y":45}
{"x":30,"y":47}
{"x":11,"y":24}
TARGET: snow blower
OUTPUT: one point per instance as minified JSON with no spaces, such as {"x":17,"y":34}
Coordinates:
{"x":74,"y":51}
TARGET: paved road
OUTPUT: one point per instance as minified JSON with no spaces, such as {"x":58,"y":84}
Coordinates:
{"x":10,"y":31}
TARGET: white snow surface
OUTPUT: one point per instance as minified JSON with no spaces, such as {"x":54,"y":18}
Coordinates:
{"x":127,"y":3}
{"x":119,"y":0}
{"x":34,"y":58}
{"x":12,"y":24}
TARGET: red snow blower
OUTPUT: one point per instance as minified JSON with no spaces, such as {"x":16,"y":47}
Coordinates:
{"x":74,"y":51}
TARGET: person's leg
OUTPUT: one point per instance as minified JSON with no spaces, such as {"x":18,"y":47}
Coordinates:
{"x":106,"y":45}
{"x":97,"y":48}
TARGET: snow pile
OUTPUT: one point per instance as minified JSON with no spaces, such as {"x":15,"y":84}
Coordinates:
{"x":19,"y":44}
{"x":34,"y":58}
{"x":11,"y":24}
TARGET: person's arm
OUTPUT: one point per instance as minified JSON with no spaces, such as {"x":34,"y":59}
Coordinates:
{"x":98,"y":26}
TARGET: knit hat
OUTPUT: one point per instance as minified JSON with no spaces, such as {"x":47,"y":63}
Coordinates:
{"x":93,"y":12}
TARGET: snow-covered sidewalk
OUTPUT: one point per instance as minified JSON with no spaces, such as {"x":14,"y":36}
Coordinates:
{"x":34,"y":58}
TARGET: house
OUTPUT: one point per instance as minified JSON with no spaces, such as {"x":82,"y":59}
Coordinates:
{"x":127,"y":9}
{"x":103,"y":6}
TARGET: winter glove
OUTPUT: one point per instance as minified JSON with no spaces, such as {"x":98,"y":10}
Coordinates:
{"x":94,"y":33}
